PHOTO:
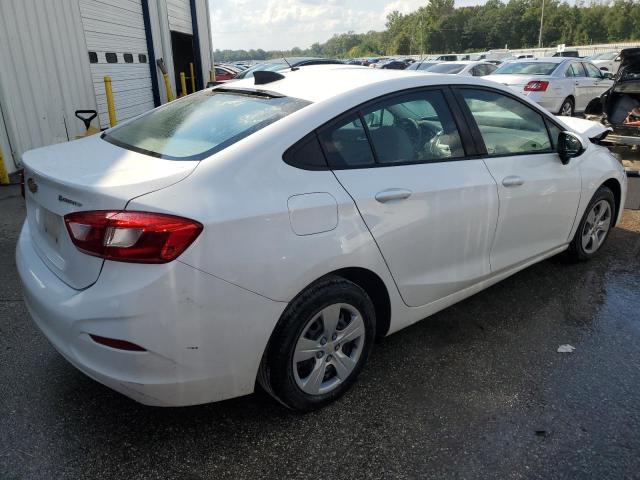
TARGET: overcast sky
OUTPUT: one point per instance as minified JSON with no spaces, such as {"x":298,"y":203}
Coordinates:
{"x":284,"y":24}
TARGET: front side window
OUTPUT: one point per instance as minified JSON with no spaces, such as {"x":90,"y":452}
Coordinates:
{"x":592,"y":70}
{"x":507,"y":126}
{"x":201,"y":124}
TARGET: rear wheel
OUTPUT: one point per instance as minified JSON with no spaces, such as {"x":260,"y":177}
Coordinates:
{"x":320,"y":345}
{"x":567,"y":108}
{"x":594,"y":227}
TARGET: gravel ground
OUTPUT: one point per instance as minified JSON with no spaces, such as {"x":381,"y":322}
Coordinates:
{"x":476,"y":391}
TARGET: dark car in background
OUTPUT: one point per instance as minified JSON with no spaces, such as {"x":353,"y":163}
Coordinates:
{"x":394,"y":65}
{"x":619,"y":107}
{"x":424,"y":65}
{"x":282,"y":64}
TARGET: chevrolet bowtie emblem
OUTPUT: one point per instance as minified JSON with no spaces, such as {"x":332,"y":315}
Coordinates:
{"x":33,"y":186}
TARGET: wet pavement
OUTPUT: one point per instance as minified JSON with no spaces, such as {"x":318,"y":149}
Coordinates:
{"x":476,"y":391}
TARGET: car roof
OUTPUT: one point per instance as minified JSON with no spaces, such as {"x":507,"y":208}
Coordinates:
{"x":317,"y":83}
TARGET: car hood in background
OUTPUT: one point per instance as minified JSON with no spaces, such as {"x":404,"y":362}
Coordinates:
{"x":588,"y":129}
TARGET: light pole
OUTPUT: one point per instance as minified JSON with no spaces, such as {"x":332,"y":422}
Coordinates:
{"x":541,"y":21}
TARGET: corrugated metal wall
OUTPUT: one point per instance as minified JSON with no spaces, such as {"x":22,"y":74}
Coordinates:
{"x":116,"y":27}
{"x":180,"y":16}
{"x":44,"y":72}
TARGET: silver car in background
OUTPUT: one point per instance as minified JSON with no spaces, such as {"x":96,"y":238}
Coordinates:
{"x":561,"y":85}
{"x":463,"y":67}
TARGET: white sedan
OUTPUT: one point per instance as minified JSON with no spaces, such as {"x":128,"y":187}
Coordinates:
{"x":607,"y":61}
{"x":269,"y":230}
{"x":464,"y":67}
{"x":559,"y":84}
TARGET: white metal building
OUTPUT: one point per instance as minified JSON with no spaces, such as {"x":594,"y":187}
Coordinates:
{"x":54,"y":55}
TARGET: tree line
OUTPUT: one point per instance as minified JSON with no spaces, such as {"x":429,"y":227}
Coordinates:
{"x":440,"y":27}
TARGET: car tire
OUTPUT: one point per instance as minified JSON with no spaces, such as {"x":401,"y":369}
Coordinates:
{"x":594,"y":227}
{"x":306,"y":384}
{"x":567,"y":108}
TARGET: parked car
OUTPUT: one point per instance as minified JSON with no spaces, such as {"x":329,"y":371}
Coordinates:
{"x":447,"y":58}
{"x":269,"y":233}
{"x":563,"y":85}
{"x":422,"y":65}
{"x":394,"y":65}
{"x":567,"y":54}
{"x":280,"y":64}
{"x":607,"y":61}
{"x":619,"y":106}
{"x":467,"y":67}
{"x":224,"y":73}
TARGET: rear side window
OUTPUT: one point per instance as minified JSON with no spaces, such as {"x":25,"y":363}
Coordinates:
{"x":506,"y":125}
{"x":200,"y":125}
{"x":306,"y":154}
{"x":346,"y":144}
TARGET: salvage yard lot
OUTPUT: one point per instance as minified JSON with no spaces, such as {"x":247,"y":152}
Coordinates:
{"x":477,"y":391}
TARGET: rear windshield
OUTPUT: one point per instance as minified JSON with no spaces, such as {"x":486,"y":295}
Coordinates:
{"x":527,"y":68}
{"x":446,"y":68}
{"x":202,"y":124}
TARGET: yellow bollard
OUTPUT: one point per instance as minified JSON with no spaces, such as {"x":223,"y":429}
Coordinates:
{"x":4,"y":176}
{"x":212,"y":76}
{"x":111,"y":107}
{"x":193,"y":78}
{"x":167,"y":85}
{"x":183,"y":84}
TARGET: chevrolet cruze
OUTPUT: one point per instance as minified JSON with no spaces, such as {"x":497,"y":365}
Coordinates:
{"x":266,"y":232}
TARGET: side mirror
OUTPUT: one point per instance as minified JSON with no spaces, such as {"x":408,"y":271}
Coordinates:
{"x":608,"y":75}
{"x":569,"y":146}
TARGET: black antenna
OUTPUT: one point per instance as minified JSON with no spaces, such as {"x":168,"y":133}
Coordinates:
{"x":293,"y":69}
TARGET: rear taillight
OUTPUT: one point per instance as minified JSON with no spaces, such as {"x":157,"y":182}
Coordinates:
{"x":536,"y":86}
{"x":140,"y":237}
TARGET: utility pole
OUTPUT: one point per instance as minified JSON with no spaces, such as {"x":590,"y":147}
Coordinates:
{"x":541,"y":22}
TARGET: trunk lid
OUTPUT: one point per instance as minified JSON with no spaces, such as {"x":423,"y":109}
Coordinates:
{"x":517,"y":82}
{"x":87,"y":174}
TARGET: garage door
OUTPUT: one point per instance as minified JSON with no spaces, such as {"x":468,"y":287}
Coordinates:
{"x":117,"y":45}
{"x":179,"y":12}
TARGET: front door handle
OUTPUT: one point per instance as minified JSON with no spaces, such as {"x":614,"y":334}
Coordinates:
{"x":512,"y":181}
{"x":393,"y":194}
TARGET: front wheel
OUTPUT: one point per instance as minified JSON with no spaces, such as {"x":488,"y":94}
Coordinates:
{"x":319,"y":345}
{"x":594,"y":227}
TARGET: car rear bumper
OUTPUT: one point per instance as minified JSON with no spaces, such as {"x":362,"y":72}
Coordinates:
{"x":204,"y":337}
{"x":545,"y":100}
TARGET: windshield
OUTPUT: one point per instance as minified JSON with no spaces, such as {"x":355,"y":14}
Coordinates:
{"x":202,"y":124}
{"x":604,"y":56}
{"x":421,"y":65}
{"x":446,"y":68}
{"x":527,"y":68}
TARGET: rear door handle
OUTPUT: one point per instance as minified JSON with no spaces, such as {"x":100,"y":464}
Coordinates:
{"x":393,"y":194}
{"x":512,"y":181}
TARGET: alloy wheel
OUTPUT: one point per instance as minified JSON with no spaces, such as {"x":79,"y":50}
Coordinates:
{"x":328,"y":348}
{"x":567,"y":109}
{"x":596,"y":226}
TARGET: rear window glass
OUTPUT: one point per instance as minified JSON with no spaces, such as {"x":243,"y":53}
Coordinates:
{"x":202,"y":124}
{"x":446,"y":68}
{"x":528,"y":68}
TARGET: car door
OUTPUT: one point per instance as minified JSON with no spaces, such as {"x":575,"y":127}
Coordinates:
{"x":582,"y":85}
{"x":600,"y":84}
{"x":538,"y":194}
{"x":431,"y":209}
